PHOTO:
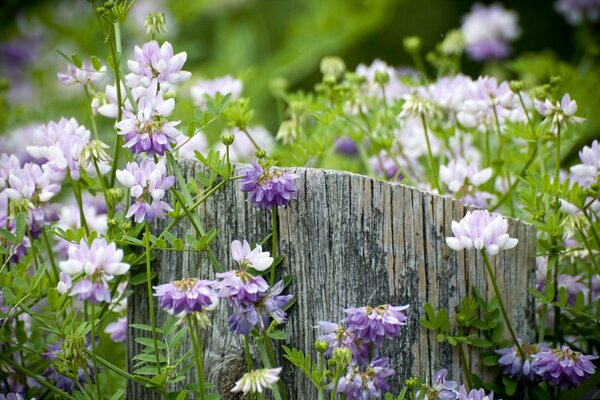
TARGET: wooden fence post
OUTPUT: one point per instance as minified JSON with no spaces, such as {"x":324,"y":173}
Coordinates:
{"x":349,"y":241}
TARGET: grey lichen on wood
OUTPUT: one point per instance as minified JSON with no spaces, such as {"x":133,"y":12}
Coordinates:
{"x":349,"y":241}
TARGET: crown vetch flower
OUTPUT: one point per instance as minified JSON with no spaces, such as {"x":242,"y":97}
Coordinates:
{"x":458,"y":173}
{"x":512,"y":363}
{"x":338,"y":336}
{"x":481,"y":230}
{"x":148,"y":183}
{"x":489,"y":30}
{"x":373,"y":324}
{"x":99,"y":262}
{"x":368,"y":382}
{"x":268,"y":188}
{"x":117,"y":330}
{"x":245,"y":257}
{"x":258,"y":380}
{"x":186,"y":295}
{"x":563,"y":367}
{"x":555,"y":114}
{"x":11,"y":396}
{"x":156,"y":63}
{"x":223,"y":85}
{"x":474,"y":394}
{"x":587,"y":172}
{"x":575,"y":11}
{"x":86,"y":75}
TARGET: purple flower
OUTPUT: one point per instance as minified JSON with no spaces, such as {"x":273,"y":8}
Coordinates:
{"x":488,"y":31}
{"x":555,"y":114}
{"x":148,"y":183}
{"x":154,"y":63}
{"x":86,"y":75}
{"x":247,"y":258}
{"x":148,"y":131}
{"x":11,"y":396}
{"x":186,"y":296}
{"x":575,"y":11}
{"x":366,"y":383}
{"x":445,"y":389}
{"x":99,"y":263}
{"x":223,"y":85}
{"x":481,"y":230}
{"x":240,"y":288}
{"x":514,"y":366}
{"x":474,"y":394}
{"x":459,"y":173}
{"x":268,"y":188}
{"x":563,"y":367}
{"x":587,"y":172}
{"x":345,"y":145}
{"x":373,"y":324}
{"x":117,"y":330}
{"x":338,"y":336}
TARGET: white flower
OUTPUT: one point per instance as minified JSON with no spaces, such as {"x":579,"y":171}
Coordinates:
{"x":245,"y":257}
{"x":258,"y":380}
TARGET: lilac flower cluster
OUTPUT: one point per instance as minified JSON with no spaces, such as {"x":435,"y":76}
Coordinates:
{"x":562,"y":367}
{"x":558,"y":113}
{"x":253,"y":300}
{"x":363,"y":331}
{"x":268,"y":188}
{"x":85,"y":75}
{"x":576,"y":11}
{"x":586,"y":173}
{"x":99,"y":263}
{"x":488,"y":31}
{"x":462,"y":178}
{"x":148,"y":183}
{"x":186,"y":296}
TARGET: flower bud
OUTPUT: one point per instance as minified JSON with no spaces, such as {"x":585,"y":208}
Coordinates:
{"x":332,"y":68}
{"x":341,"y":357}
{"x":382,"y":78}
{"x":516,"y":86}
{"x":412,"y":383}
{"x":412,"y":44}
{"x":115,"y":195}
{"x":227,"y":139}
{"x":94,"y":151}
{"x":261,"y":153}
{"x":321,"y":346}
{"x":453,"y":44}
{"x":155,"y":23}
{"x":287,"y":132}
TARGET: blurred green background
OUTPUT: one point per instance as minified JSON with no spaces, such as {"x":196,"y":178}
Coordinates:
{"x":263,"y":40}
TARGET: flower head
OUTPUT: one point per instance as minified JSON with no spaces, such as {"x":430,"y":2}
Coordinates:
{"x":513,"y":364}
{"x":148,"y":183}
{"x":481,"y":230}
{"x":441,"y":389}
{"x":458,"y":173}
{"x":117,"y":330}
{"x":474,"y":394}
{"x":587,"y":172}
{"x":488,"y":31}
{"x":223,"y":85}
{"x":84,"y":75}
{"x":11,"y":396}
{"x":338,"y":336}
{"x":156,"y":63}
{"x":563,"y":367}
{"x":575,"y":11}
{"x":258,"y":380}
{"x":268,"y":188}
{"x":555,"y":114}
{"x":99,"y":262}
{"x":368,"y":382}
{"x":186,"y":295}
{"x":373,"y":324}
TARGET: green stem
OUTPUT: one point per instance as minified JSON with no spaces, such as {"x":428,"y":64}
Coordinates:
{"x":197,"y":345}
{"x":273,"y":242}
{"x":150,"y":299}
{"x":556,"y":334}
{"x":465,"y":366}
{"x":557,"y":172}
{"x":109,"y":206}
{"x":336,"y":382}
{"x":256,"y":146}
{"x":504,"y":165}
{"x":91,"y":112}
{"x":247,"y":354}
{"x":77,"y":192}
{"x":516,"y":181}
{"x":50,"y":255}
{"x":266,"y":361}
{"x":501,"y":304}
{"x":116,"y":52}
{"x":38,"y":379}
{"x":431,"y":159}
{"x":93,"y":344}
{"x":320,"y":391}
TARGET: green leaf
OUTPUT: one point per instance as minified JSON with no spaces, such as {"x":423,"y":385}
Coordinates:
{"x":96,"y":63}
{"x":490,"y":360}
{"x":76,"y":59}
{"x":278,"y":335}
{"x":150,"y":343}
{"x":118,"y":395}
{"x":140,"y":278}
{"x":510,"y":385}
{"x":482,"y":343}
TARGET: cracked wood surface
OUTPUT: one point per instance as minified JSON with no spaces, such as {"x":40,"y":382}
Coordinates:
{"x":349,"y":241}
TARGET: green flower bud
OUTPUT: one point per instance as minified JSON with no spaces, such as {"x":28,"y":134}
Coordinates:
{"x":412,"y":383}
{"x":341,"y":357}
{"x":115,"y":195}
{"x":227,"y":139}
{"x":453,"y":44}
{"x":21,"y":206}
{"x":287,"y":132}
{"x":382,"y":78}
{"x":94,"y":151}
{"x":155,"y":24}
{"x":261,"y":153}
{"x":412,"y":44}
{"x":332,"y":68}
{"x":321,"y":346}
{"x":516,"y":86}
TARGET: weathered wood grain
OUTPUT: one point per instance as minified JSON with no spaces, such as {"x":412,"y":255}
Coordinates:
{"x":349,"y":241}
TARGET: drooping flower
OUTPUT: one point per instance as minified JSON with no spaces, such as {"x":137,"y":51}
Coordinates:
{"x":257,"y":381}
{"x":488,"y":31}
{"x":148,"y":183}
{"x":481,"y":230}
{"x":85,"y":75}
{"x":156,"y":63}
{"x":209,"y":88}
{"x":513,"y":364}
{"x":555,"y":114}
{"x":363,"y":383}
{"x":117,"y":330}
{"x":186,"y":296}
{"x":253,"y":258}
{"x":374,"y":324}
{"x":99,"y":262}
{"x":268,"y":188}
{"x":563,"y":367}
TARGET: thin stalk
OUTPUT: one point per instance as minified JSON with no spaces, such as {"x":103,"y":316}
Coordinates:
{"x":116,"y":52}
{"x":38,"y":379}
{"x":197,"y":345}
{"x":50,"y":254}
{"x":109,"y":207}
{"x":247,"y":354}
{"x":251,"y":139}
{"x":465,"y":366}
{"x":501,"y":303}
{"x":516,"y":181}
{"x":557,"y":172}
{"x":150,"y":300}
{"x":91,"y":112}
{"x":336,"y":382}
{"x":264,"y":356}
{"x":273,"y":242}
{"x":431,"y":159}
{"x":94,"y":362}
{"x":555,"y":335}
{"x":320,"y":392}
{"x":77,"y":192}
{"x":504,"y":165}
